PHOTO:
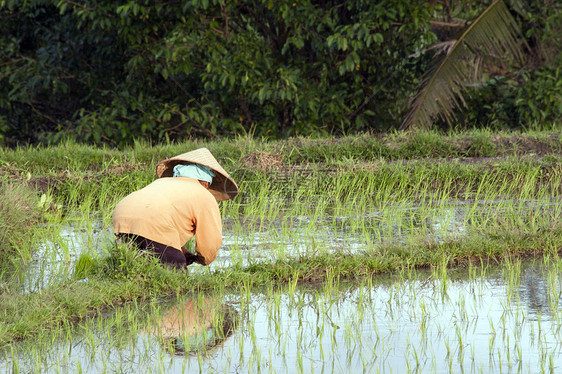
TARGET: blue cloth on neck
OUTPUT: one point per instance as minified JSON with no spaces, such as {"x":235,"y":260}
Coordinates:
{"x":195,"y":171}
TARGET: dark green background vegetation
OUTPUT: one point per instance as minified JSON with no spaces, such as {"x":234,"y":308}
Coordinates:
{"x":112,"y":71}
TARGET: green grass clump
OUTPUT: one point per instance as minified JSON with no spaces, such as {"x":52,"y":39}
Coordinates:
{"x":18,"y":211}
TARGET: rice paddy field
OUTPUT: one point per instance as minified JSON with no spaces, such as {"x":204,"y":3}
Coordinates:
{"x":404,"y":253}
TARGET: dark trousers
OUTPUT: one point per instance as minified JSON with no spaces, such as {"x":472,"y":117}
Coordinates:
{"x":166,"y":254}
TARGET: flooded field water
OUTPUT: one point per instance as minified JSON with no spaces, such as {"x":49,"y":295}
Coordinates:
{"x":491,"y":320}
{"x":480,"y":320}
{"x":364,"y":228}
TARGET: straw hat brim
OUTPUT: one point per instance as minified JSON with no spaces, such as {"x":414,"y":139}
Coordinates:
{"x":222,"y":187}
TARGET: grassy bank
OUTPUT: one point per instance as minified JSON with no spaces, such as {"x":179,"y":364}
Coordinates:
{"x":378,"y":195}
{"x":73,"y":176}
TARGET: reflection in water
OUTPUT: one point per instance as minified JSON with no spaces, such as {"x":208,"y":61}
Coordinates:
{"x":150,"y":338}
{"x":195,"y":326}
{"x":539,"y":291}
{"x":487,"y":320}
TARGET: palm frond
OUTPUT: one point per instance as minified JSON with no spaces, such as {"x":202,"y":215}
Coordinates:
{"x":492,"y":38}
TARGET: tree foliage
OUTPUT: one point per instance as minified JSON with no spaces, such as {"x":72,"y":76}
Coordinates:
{"x":110,"y":71}
{"x":491,"y":39}
{"x":488,"y":46}
{"x":113,"y":70}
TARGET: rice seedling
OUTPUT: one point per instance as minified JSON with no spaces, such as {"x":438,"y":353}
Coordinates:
{"x":330,"y":214}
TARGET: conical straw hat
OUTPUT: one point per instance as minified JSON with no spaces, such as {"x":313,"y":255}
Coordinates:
{"x":223,"y":186}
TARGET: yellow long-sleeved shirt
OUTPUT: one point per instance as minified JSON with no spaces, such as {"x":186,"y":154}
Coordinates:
{"x":171,"y":211}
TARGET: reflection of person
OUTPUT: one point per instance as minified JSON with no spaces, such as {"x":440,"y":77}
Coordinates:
{"x":194,"y":326}
{"x":163,"y":216}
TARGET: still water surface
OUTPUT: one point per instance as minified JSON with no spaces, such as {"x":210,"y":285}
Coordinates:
{"x":483,"y":320}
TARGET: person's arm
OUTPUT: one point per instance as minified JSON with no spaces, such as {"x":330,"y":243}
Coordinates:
{"x":208,"y":232}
